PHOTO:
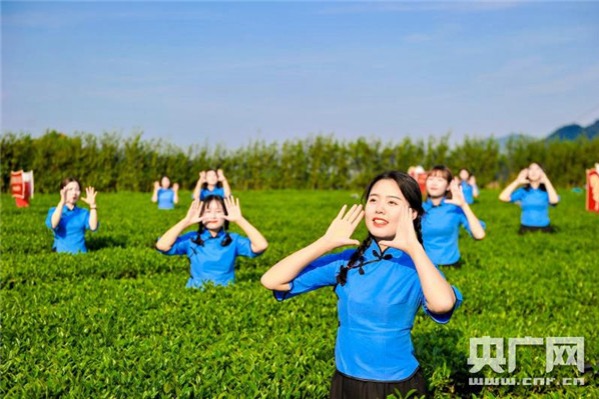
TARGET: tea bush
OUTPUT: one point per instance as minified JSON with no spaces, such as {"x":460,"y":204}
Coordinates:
{"x":117,"y":322}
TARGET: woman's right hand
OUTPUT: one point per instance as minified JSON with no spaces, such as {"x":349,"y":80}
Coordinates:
{"x":342,"y":227}
{"x":63,"y":195}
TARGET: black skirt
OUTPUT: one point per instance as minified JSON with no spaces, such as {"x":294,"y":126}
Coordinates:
{"x":545,"y":229}
{"x":344,"y":387}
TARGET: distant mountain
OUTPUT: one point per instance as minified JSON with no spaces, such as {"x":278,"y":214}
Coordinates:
{"x":572,"y":132}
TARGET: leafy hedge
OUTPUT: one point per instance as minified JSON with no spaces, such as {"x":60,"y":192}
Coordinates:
{"x":112,"y":163}
{"x":118,"y":322}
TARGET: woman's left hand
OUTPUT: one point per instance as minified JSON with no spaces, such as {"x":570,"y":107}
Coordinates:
{"x":457,"y":195}
{"x":405,"y":235}
{"x":90,"y":196}
{"x":233,"y":209}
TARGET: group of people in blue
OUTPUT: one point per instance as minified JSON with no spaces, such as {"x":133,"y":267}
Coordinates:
{"x":380,"y":283}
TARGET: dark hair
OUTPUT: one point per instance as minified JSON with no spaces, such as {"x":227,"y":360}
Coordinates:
{"x":68,"y":180}
{"x":467,"y":171}
{"x":445,"y":173}
{"x":542,"y":187}
{"x":227,"y":239}
{"x":411,"y":192}
{"x":219,"y":184}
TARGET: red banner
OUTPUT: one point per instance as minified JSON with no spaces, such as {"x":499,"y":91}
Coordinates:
{"x":419,"y":174}
{"x":21,"y":187}
{"x":592,"y":202}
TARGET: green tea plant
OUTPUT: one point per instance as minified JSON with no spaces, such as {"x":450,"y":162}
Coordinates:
{"x":118,"y":322}
{"x":110,"y":162}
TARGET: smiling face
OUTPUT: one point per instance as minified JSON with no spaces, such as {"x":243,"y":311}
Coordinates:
{"x":211,"y":177}
{"x":534,"y":172}
{"x":464,"y":175}
{"x":165,"y":182}
{"x":383,"y":204}
{"x":436,"y":184}
{"x":214,"y":213}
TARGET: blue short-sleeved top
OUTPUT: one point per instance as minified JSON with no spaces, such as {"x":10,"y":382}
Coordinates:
{"x":166,"y":198}
{"x":376,"y":311}
{"x":211,"y":262}
{"x":204,"y":192}
{"x":468,"y":190}
{"x":69,"y":235}
{"x":440,"y":231}
{"x":535,"y":206}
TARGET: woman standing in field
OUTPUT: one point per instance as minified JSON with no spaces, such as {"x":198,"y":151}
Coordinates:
{"x":380,"y":286}
{"x":446,"y":210}
{"x":212,"y":249}
{"x":469,"y":187}
{"x":68,"y":221}
{"x":534,"y":198}
{"x":211,"y":182}
{"x":164,"y":195}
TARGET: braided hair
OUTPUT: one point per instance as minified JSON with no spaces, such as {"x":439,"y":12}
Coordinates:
{"x":227,"y":239}
{"x":411,"y":192}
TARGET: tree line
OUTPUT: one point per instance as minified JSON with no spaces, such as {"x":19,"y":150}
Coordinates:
{"x":111,"y":162}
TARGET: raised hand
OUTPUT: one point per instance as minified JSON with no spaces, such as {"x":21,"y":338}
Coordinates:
{"x":220,"y":175}
{"x":523,"y":177}
{"x":202,"y":175}
{"x":233,"y":209}
{"x":63,"y":195}
{"x":156,"y":185}
{"x":405,"y":235}
{"x":90,"y":196}
{"x":543,"y":178}
{"x":193,"y":213}
{"x":457,"y":195}
{"x":472,"y":181}
{"x":176,"y":187}
{"x":342,"y":227}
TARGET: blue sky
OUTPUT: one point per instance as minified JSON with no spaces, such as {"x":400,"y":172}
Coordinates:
{"x":226,"y":73}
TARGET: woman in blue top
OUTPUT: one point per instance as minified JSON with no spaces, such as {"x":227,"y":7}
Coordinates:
{"x":468,"y":184}
{"x":445,"y":211}
{"x":212,"y":249}
{"x":534,"y":198}
{"x":380,"y":286}
{"x":164,"y":195}
{"x":68,"y":221}
{"x":211,"y":182}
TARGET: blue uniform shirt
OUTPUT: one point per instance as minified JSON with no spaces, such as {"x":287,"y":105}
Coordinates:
{"x":468,"y":191}
{"x":211,"y":262}
{"x":166,"y":198}
{"x":535,"y":206}
{"x":204,"y":192}
{"x":376,"y":311}
{"x":69,"y":235}
{"x":440,"y":231}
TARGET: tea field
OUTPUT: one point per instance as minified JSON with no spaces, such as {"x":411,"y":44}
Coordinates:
{"x":118,"y":323}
